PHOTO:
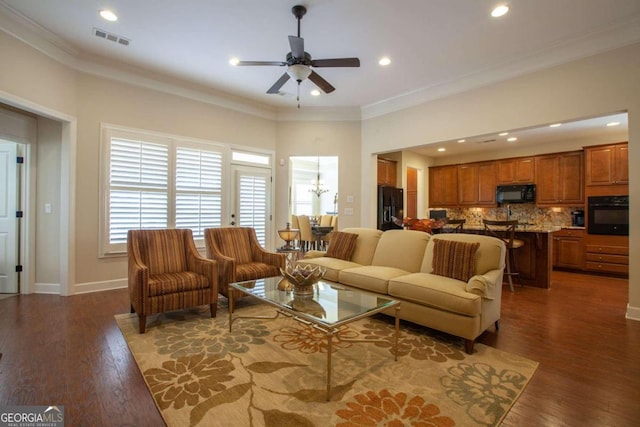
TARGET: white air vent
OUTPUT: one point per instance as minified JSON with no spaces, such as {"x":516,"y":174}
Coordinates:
{"x":110,"y":36}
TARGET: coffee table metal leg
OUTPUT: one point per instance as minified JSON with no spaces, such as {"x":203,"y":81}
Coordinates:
{"x":395,"y":345}
{"x":329,"y":351}
{"x":230,"y":309}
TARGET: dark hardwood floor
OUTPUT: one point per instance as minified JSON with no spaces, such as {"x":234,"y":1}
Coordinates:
{"x":69,"y":351}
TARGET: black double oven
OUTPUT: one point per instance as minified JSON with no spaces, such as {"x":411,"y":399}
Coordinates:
{"x":608,"y":215}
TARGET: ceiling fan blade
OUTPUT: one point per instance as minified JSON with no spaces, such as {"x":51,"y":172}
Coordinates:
{"x":297,"y":46}
{"x":242,"y":63}
{"x":336,"y":62}
{"x":277,"y":85}
{"x":321,"y":83}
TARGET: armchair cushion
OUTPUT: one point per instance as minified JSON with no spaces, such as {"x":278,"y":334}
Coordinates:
{"x":342,"y":245}
{"x":169,"y":283}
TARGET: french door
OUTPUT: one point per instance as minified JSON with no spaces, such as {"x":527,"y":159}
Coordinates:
{"x":251,"y":201}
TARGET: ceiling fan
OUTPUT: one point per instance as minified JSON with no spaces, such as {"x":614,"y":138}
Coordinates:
{"x":299,"y":63}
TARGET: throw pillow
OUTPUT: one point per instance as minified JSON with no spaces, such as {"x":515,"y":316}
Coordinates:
{"x":341,"y":245}
{"x":454,"y":259}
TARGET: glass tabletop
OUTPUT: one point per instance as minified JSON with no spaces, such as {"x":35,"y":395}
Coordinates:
{"x":330,"y":304}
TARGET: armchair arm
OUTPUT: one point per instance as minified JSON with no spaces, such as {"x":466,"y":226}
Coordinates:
{"x":138,"y":279}
{"x":203,"y":266}
{"x":486,"y":285}
{"x":270,"y":258}
{"x":226,"y":266}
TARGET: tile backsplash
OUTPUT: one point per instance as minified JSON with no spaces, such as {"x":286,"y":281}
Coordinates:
{"x":525,"y":213}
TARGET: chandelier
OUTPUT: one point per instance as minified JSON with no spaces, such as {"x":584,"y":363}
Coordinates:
{"x":317,"y":187}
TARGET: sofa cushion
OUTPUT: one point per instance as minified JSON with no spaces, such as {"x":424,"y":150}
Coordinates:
{"x":490,"y":255}
{"x":369,"y":277}
{"x":365,"y":244}
{"x":436,"y":291}
{"x":456,"y":260}
{"x":341,"y":245}
{"x":401,"y":249}
{"x":333,"y":266}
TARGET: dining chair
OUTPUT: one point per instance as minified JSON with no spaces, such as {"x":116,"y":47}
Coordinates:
{"x":307,"y":239}
{"x":506,"y":231}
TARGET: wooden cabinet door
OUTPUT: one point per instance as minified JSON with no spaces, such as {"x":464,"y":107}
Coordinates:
{"x":621,"y":164}
{"x":468,"y":184}
{"x":571,"y":190}
{"x":487,"y":184}
{"x":443,"y":186}
{"x":412,"y":193}
{"x":547,"y":173}
{"x":387,"y":171}
{"x":515,"y":171}
{"x":568,"y":252}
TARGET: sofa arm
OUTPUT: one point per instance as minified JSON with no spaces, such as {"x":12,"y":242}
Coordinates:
{"x":486,"y":285}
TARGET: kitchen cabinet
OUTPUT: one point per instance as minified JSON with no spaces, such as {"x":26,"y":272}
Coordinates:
{"x":607,"y":164}
{"x":387,"y":172}
{"x":568,"y":249}
{"x":520,"y":170}
{"x":607,"y":254}
{"x":443,"y":186}
{"x":477,"y":184}
{"x":559,"y":179}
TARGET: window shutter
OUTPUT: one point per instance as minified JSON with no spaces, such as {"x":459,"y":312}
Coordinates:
{"x":198,"y":190}
{"x":138,"y":187}
{"x":252,"y":200}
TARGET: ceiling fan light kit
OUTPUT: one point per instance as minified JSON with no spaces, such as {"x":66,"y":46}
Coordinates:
{"x":299,"y":63}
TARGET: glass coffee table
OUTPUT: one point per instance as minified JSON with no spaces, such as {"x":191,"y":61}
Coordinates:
{"x":329,"y":307}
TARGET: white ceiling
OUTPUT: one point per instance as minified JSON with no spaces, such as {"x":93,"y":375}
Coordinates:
{"x":437,"y":47}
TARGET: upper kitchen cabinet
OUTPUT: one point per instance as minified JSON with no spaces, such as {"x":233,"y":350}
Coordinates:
{"x":559,"y":179}
{"x":607,"y":164}
{"x":516,"y":171}
{"x":387,"y":172}
{"x":477,"y":184}
{"x":443,"y":186}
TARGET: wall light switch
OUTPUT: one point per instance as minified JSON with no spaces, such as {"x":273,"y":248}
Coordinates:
{"x":348,"y":211}
{"x":47,"y":208}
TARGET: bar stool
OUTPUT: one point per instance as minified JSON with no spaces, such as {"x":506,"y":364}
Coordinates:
{"x":456,"y":224}
{"x":506,"y":231}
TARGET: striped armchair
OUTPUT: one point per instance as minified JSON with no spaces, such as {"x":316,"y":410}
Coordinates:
{"x":166,"y":273}
{"x":240,"y":256}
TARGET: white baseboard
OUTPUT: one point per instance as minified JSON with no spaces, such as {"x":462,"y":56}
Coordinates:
{"x":107,"y":285}
{"x":46,"y":288}
{"x":633,"y":313}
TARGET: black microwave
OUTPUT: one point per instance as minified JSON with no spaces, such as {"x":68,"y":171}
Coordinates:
{"x":524,"y":193}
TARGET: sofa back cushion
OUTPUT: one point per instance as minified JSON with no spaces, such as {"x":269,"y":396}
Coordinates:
{"x":403,"y":249}
{"x":454,"y":259}
{"x":489,"y":256}
{"x":366,"y":244}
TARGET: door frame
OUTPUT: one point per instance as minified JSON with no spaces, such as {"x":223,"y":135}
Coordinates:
{"x":67,"y":198}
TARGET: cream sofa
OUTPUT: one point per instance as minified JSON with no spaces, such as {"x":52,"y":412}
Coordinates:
{"x":398,"y":263}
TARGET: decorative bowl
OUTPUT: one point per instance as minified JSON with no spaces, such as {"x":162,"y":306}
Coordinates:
{"x":303,"y":277}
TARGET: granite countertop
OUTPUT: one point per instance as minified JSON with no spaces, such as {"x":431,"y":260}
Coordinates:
{"x":522,"y":228}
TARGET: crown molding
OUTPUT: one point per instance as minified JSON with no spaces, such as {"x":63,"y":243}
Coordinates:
{"x":614,"y":37}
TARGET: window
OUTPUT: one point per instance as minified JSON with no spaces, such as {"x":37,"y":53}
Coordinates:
{"x":154,"y":182}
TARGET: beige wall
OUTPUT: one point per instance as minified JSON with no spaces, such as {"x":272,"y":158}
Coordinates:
{"x":605,"y":83}
{"x":316,"y":138}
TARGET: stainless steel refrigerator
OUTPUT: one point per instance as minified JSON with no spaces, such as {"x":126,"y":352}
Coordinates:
{"x":390,"y":207}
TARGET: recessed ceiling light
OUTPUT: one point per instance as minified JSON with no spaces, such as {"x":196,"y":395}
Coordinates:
{"x":234,"y":61}
{"x":315,"y":92}
{"x":108,"y":15}
{"x":385,"y":60}
{"x":555,"y":125}
{"x":461,"y":140}
{"x":500,"y":11}
{"x":503,"y":133}
{"x":512,"y":139}
{"x":613,"y":124}
{"x":442,"y":149}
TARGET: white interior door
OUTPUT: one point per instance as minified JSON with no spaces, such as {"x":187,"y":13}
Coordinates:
{"x":9,"y":248}
{"x":251,"y":204}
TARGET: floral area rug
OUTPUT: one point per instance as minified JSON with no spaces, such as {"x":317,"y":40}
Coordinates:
{"x":273,"y":373}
